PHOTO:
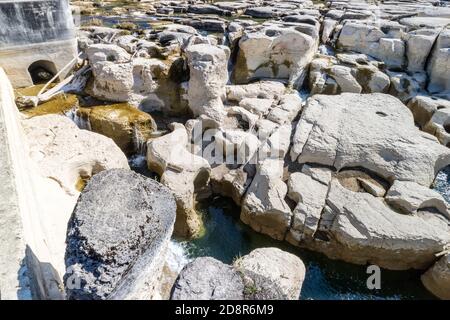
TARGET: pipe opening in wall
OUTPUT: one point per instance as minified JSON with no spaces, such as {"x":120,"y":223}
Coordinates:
{"x":42,"y":71}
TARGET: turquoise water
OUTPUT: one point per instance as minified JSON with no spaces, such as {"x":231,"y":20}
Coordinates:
{"x":227,"y":238}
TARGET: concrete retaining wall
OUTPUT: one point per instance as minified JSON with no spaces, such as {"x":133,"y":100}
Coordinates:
{"x":26,"y":263}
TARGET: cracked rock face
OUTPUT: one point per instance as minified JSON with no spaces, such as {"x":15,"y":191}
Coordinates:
{"x":117,"y":237}
{"x":373,"y":131}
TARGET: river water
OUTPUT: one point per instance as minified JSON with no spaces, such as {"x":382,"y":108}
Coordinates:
{"x":227,"y":238}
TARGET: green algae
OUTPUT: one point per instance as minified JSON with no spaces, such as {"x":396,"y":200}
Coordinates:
{"x":60,"y":104}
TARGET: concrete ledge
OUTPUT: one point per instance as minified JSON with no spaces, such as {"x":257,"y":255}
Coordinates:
{"x":26,"y":270}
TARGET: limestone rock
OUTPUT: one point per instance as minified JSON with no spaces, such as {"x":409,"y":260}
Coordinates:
{"x":410,"y":197}
{"x":371,"y":40}
{"x":287,"y":109}
{"x":206,"y":278}
{"x":117,"y":237}
{"x":438,"y":125}
{"x":423,"y":107}
{"x":182,"y":172}
{"x":208,"y":76}
{"x":283,"y":268}
{"x":276,"y":52}
{"x":264,"y":207}
{"x":373,"y":131}
{"x":437,"y":278}
{"x":129,"y":127}
{"x":55,"y":139}
{"x":365,"y":230}
{"x":309,"y":195}
{"x":261,"y":89}
{"x":438,"y":67}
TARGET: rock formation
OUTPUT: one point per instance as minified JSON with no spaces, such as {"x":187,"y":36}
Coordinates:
{"x":117,"y":237}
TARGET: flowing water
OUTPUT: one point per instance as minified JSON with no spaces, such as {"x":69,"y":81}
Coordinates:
{"x":227,"y":238}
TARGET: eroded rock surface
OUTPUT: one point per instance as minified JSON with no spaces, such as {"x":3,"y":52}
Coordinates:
{"x":117,"y":237}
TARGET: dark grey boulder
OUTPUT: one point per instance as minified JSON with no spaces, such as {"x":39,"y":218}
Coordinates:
{"x":117,"y":236}
{"x":206,"y":278}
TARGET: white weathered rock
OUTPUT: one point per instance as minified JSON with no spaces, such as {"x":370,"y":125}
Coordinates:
{"x":264,"y":207}
{"x":283,"y":268}
{"x":236,"y":144}
{"x":439,"y":125}
{"x":182,"y":172}
{"x":55,"y":139}
{"x":437,"y":278}
{"x":418,"y":47}
{"x":371,"y":187}
{"x":373,"y":131}
{"x":261,"y":89}
{"x":256,"y":106}
{"x":277,"y":145}
{"x":345,"y":80}
{"x":276,"y":52}
{"x":439,"y":65}
{"x":310,"y":195}
{"x":107,"y":52}
{"x":410,"y":197}
{"x":365,"y":230}
{"x":287,"y":109}
{"x":128,"y":81}
{"x":208,"y":76}
{"x":371,"y":40}
{"x":423,"y":107}
{"x":406,"y":86}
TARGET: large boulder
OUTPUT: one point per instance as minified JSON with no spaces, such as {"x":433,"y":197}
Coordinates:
{"x":208,"y":279}
{"x":372,"y":131}
{"x":362,"y":229}
{"x":439,"y":63}
{"x":182,"y":172}
{"x":372,"y":40}
{"x":309,"y":193}
{"x":55,"y":140}
{"x":276,"y":52}
{"x":117,"y":237}
{"x":409,"y":197}
{"x":437,"y":278}
{"x":260,"y":89}
{"x":264,"y":207}
{"x":280,"y":267}
{"x":140,"y":81}
{"x":208,"y":77}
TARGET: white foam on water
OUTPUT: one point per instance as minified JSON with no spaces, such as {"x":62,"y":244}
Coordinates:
{"x":176,"y":256}
{"x":137,"y":161}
